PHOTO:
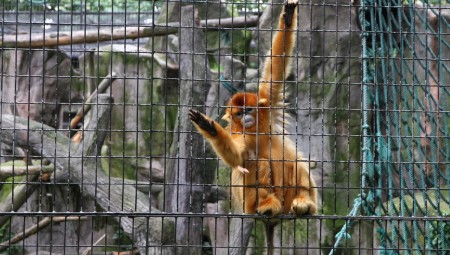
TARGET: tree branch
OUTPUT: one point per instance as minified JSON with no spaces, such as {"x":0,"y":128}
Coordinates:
{"x":104,"y":84}
{"x":39,"y":40}
{"x":35,"y":228}
{"x":89,"y":249}
{"x":17,"y":198}
{"x":80,"y":165}
{"x":8,"y":171}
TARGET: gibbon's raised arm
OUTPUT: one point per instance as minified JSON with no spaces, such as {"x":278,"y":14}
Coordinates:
{"x":230,"y":150}
{"x":277,"y":65}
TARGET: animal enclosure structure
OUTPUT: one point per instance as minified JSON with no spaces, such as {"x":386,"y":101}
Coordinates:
{"x":99,"y":153}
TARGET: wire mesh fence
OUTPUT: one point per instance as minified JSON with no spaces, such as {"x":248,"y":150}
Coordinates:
{"x":189,"y":127}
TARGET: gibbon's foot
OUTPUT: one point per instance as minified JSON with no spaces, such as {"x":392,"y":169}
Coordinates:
{"x":270,"y":206}
{"x":289,"y":9}
{"x":203,"y":122}
{"x":242,"y":170}
{"x":303,"y":206}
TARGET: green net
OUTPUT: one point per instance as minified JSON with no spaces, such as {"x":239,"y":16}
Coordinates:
{"x":406,"y":115}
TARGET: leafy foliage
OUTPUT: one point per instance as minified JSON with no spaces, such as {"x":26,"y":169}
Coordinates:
{"x":440,"y":234}
{"x":5,"y":235}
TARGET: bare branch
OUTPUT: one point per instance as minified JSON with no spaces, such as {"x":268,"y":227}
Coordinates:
{"x":88,"y":250}
{"x":66,"y":157}
{"x":106,"y":82}
{"x":35,"y":228}
{"x":8,"y":171}
{"x":39,"y":40}
{"x":234,"y":22}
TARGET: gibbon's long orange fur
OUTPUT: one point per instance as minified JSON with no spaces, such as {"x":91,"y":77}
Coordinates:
{"x":268,"y":175}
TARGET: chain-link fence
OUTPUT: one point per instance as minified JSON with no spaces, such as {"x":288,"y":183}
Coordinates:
{"x":113,"y":138}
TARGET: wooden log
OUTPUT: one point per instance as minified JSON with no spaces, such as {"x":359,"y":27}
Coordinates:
{"x":35,"y":228}
{"x":235,"y":22}
{"x":190,"y":174}
{"x":52,"y":39}
{"x":8,"y":171}
{"x":39,"y":40}
{"x":80,"y":161}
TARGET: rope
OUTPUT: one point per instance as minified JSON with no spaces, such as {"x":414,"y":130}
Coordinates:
{"x":343,"y":233}
{"x":405,"y":170}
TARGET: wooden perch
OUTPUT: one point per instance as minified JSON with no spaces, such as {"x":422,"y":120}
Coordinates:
{"x":39,"y":40}
{"x":8,"y":171}
{"x":52,"y":39}
{"x":80,"y":161}
{"x":89,"y":249}
{"x":235,"y":22}
{"x":190,"y":175}
{"x":35,"y":228}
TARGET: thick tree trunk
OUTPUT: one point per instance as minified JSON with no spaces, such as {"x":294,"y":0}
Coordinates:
{"x":35,"y":83}
{"x":77,"y":164}
{"x":191,"y":175}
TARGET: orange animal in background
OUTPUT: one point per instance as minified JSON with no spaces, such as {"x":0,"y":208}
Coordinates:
{"x":268,"y":175}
